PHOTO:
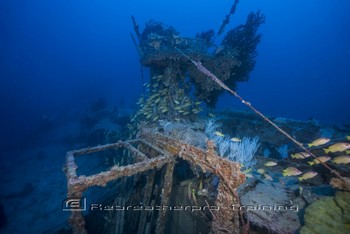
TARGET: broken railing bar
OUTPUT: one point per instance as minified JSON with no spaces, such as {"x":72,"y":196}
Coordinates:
{"x":154,"y":147}
{"x":94,"y":149}
{"x":135,"y":151}
{"x":170,"y":146}
{"x":116,"y":172}
{"x":71,"y":166}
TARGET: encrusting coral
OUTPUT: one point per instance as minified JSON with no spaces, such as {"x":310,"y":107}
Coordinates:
{"x":328,"y":215}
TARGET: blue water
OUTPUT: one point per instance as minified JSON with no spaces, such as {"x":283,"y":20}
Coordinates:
{"x":58,"y":57}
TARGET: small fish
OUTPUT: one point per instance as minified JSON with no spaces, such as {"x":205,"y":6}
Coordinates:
{"x":249,"y":175}
{"x":247,"y":171}
{"x":211,"y":115}
{"x":140,"y":101}
{"x":219,"y":134}
{"x":176,"y":102}
{"x":347,"y":138}
{"x":261,"y":171}
{"x":318,"y":159}
{"x":235,"y":139}
{"x":347,"y":152}
{"x":197,"y":103}
{"x":318,"y":142}
{"x":338,"y":147}
{"x":344,"y":159}
{"x":267,"y":177}
{"x":187,"y":105}
{"x":270,"y":164}
{"x":307,"y":175}
{"x":300,"y":155}
{"x":291,"y":171}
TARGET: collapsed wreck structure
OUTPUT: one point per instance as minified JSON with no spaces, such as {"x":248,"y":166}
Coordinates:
{"x":146,"y":199}
{"x":155,"y":155}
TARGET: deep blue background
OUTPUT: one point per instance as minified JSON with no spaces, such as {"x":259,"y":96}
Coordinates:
{"x":59,"y":56}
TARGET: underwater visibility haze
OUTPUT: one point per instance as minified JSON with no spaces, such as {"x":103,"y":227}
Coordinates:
{"x":237,"y":106}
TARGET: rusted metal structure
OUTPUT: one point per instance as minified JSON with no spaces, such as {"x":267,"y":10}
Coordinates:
{"x":153,"y":151}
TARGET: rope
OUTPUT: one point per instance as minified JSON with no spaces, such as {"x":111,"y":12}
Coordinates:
{"x":205,"y":71}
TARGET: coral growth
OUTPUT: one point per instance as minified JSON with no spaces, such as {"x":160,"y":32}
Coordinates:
{"x":328,"y":215}
{"x":242,"y":152}
{"x":243,"y":41}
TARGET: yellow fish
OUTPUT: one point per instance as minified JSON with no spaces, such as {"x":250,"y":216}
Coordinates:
{"x":235,"y":139}
{"x":247,"y":171}
{"x":338,"y":147}
{"x":261,"y":171}
{"x":347,"y":152}
{"x":270,"y":164}
{"x":300,"y":155}
{"x":291,"y":171}
{"x":321,"y":158}
{"x":308,"y":175}
{"x":318,"y":142}
{"x":219,"y":134}
{"x":348,"y":138}
{"x":344,"y":159}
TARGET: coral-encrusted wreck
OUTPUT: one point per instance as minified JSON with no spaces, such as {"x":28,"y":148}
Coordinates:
{"x":153,"y":152}
{"x":174,"y":78}
{"x":147,"y":201}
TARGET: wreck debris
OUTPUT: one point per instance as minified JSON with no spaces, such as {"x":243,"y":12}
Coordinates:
{"x":76,"y":185}
{"x":228,"y":172}
{"x":154,"y":150}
